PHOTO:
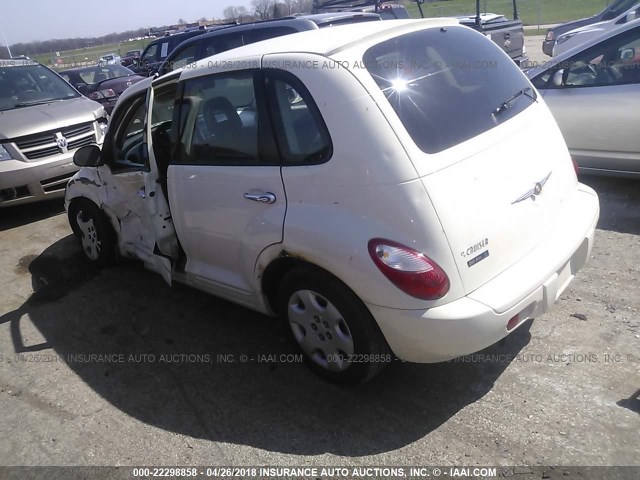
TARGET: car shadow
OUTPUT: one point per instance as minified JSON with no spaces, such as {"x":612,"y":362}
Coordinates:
{"x":632,"y":403}
{"x":12,"y":217}
{"x":619,"y":203}
{"x":173,"y":358}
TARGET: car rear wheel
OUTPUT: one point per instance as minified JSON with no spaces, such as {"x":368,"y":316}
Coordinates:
{"x":97,"y":238}
{"x":331,"y":325}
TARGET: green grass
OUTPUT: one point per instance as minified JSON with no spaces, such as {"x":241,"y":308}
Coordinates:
{"x":532,"y":12}
{"x":90,"y":55}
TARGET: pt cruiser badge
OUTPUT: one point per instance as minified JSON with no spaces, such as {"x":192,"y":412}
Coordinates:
{"x":535,"y":191}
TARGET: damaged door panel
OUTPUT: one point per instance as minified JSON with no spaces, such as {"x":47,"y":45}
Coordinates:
{"x":158,"y":138}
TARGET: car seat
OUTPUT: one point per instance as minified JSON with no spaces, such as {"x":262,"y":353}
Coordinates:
{"x":226,"y":131}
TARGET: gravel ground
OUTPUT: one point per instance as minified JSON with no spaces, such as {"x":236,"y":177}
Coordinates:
{"x":562,"y":390}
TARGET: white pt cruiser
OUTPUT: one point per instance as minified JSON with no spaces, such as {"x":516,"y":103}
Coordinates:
{"x":387,"y":188}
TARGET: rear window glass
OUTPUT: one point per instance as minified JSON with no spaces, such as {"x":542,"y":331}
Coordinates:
{"x":447,"y":85}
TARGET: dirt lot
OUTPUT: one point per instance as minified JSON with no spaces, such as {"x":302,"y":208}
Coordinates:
{"x":561,"y":391}
{"x":113,"y":367}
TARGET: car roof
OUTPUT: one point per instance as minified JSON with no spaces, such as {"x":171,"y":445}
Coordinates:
{"x":299,"y":21}
{"x":325,"y":42}
{"x":86,"y":67}
{"x":321,"y":42}
{"x":322,"y":18}
{"x":535,"y":71}
{"x":242,"y":27}
{"x":185,"y":33}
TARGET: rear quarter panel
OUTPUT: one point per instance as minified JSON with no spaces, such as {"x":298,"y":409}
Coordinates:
{"x":368,"y":189}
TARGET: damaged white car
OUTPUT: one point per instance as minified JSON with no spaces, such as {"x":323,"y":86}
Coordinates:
{"x":373,"y":191}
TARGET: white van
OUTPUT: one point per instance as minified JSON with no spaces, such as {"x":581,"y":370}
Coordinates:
{"x":390,"y":189}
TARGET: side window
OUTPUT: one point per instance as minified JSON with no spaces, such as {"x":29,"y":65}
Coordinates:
{"x":613,"y":62}
{"x":302,"y":135}
{"x":221,"y":43}
{"x":161,"y":125}
{"x":129,"y":149}
{"x":150,"y":53}
{"x":182,"y":58}
{"x":220,"y":121}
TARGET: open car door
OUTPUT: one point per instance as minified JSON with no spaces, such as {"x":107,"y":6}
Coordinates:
{"x":158,"y":131}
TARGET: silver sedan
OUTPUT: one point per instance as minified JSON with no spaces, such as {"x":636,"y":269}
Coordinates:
{"x":593,"y":92}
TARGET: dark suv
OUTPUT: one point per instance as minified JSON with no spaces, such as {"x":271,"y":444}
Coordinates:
{"x":157,"y":51}
{"x":235,"y":36}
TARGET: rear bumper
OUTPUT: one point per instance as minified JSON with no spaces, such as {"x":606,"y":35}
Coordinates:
{"x":27,"y":182}
{"x":528,"y":289}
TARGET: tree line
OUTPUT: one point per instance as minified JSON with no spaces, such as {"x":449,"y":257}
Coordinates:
{"x":266,"y":10}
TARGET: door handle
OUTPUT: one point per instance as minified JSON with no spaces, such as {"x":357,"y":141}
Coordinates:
{"x":267,"y":197}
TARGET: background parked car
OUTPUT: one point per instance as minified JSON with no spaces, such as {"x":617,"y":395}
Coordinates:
{"x":109,"y":59}
{"x":235,"y":36}
{"x":43,"y":121}
{"x":157,"y":51}
{"x":576,"y":37}
{"x":130,"y":57}
{"x":102,"y":83}
{"x":612,"y":10}
{"x":593,"y":92}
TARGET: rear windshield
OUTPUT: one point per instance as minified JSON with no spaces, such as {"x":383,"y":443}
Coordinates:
{"x":447,"y":85}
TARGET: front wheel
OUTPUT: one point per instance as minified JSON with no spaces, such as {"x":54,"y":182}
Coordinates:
{"x":334,"y":329}
{"x":91,"y":226}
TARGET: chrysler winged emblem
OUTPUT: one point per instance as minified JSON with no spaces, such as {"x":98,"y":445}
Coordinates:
{"x":535,"y":191}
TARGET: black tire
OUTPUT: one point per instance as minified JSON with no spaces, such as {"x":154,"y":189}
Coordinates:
{"x":371,"y":352}
{"x":104,"y":237}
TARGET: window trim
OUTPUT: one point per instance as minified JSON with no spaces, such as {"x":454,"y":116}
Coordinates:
{"x":109,"y":146}
{"x":275,"y":115}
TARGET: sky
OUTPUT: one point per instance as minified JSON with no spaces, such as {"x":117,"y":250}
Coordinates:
{"x":28,"y":20}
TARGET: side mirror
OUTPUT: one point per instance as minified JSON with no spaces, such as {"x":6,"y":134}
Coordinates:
{"x":631,"y":16}
{"x":87,"y":156}
{"x":558,"y":78}
{"x":81,"y":87}
{"x":628,"y":54}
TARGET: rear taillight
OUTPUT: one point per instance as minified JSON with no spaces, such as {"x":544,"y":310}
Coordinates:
{"x":575,"y":166}
{"x":108,"y":93}
{"x":412,"y":272}
{"x":513,"y":322}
